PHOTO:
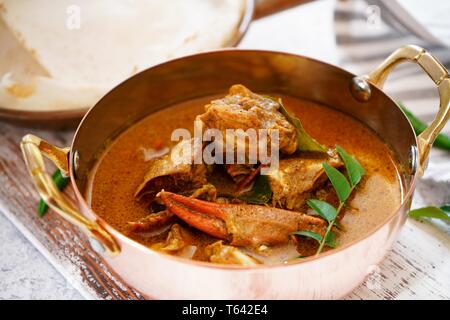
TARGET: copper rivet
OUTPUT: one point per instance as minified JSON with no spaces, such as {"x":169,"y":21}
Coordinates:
{"x":413,"y":159}
{"x":360,"y":89}
{"x":76,"y":161}
{"x":96,"y":245}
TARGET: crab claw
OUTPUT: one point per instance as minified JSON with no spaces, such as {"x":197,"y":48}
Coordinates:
{"x":241,"y":224}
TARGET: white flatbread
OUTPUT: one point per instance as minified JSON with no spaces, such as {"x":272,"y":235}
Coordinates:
{"x":67,"y":54}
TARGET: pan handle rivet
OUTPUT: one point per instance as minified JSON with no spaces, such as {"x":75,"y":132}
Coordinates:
{"x":96,"y":245}
{"x":413,"y":159}
{"x":360,"y":89}
{"x":76,"y":161}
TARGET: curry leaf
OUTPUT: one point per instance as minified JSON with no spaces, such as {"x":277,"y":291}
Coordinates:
{"x":339,"y":181}
{"x":330,"y":239}
{"x":354,"y":170}
{"x":260,"y":193}
{"x":442,"y":213}
{"x":304,"y":141}
{"x":324,"y":209}
{"x":309,"y":234}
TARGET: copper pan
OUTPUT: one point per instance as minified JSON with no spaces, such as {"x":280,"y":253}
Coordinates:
{"x":331,"y":275}
{"x":254,"y":9}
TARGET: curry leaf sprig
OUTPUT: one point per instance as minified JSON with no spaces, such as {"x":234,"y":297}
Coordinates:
{"x":61,"y":182}
{"x":343,"y":187}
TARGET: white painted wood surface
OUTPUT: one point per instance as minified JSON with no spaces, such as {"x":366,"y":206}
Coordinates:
{"x":418,"y":266}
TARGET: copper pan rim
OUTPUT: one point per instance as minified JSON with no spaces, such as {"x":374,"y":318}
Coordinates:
{"x":145,"y":250}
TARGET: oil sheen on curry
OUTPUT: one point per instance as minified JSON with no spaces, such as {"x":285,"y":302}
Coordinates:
{"x":334,"y":182}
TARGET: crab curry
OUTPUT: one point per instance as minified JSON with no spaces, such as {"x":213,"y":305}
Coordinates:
{"x":335,"y":181}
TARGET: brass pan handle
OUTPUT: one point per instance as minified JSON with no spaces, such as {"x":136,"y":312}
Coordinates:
{"x":438,"y":73}
{"x":33,"y":148}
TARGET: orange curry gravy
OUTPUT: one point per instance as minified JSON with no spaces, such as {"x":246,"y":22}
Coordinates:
{"x":122,"y":167}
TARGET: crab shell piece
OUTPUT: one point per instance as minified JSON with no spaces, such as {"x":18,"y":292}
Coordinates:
{"x":175,"y":171}
{"x":296,"y":178}
{"x":241,"y":224}
{"x":217,"y":252}
{"x":243,"y":109}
